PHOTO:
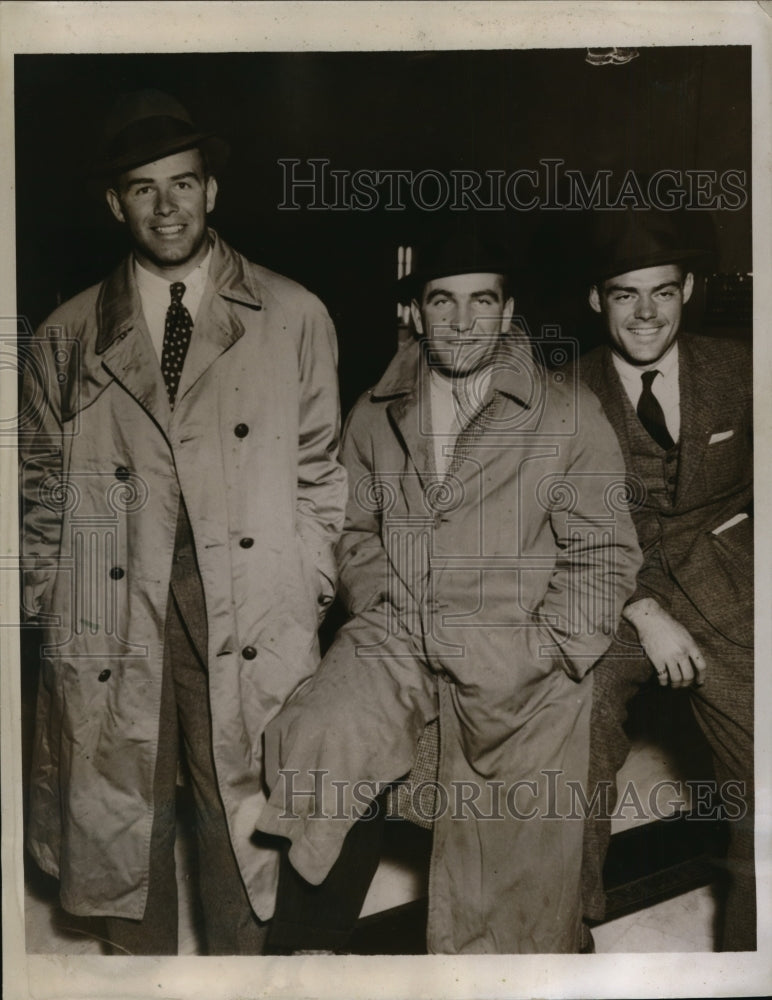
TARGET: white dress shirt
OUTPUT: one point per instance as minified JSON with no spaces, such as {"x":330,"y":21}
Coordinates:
{"x":664,"y":386}
{"x":156,"y":298}
{"x":453,"y":402}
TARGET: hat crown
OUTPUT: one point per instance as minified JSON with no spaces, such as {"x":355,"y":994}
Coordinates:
{"x":637,"y":239}
{"x":460,"y":253}
{"x":464,"y":246}
{"x":638,"y":234}
{"x":139,"y":106}
{"x":148,"y":125}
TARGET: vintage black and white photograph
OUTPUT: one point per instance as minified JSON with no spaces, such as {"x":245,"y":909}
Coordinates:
{"x":379,"y":501}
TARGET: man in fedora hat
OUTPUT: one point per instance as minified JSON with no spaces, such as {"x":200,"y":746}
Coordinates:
{"x":681,"y":406}
{"x":182,"y":497}
{"x":483,"y":563}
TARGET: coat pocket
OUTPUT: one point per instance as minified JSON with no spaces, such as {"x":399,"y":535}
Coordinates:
{"x":318,"y":587}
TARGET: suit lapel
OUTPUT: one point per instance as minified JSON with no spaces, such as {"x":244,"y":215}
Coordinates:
{"x":698,"y":394}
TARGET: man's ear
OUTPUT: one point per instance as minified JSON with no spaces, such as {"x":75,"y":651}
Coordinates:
{"x":688,"y":287}
{"x":211,"y":192}
{"x":115,"y":204}
{"x":415,"y":312}
{"x":594,"y":299}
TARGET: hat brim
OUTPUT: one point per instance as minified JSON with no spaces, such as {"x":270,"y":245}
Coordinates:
{"x":214,"y":148}
{"x":610,"y":268}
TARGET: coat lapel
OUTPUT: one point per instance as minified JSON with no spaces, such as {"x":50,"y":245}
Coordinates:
{"x":125,"y":347}
{"x":605,"y":383}
{"x":407,"y":414}
{"x":406,"y":381}
{"x":126,"y":350}
{"x":217,"y":326}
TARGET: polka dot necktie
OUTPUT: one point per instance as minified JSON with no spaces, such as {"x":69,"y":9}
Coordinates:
{"x":650,"y":412}
{"x":177,"y":333}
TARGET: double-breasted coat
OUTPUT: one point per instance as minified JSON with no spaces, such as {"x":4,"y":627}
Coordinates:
{"x":251,"y":446}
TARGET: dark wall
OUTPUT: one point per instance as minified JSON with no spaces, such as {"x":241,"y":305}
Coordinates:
{"x":671,"y":108}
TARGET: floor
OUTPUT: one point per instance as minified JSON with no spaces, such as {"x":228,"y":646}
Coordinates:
{"x":682,"y":924}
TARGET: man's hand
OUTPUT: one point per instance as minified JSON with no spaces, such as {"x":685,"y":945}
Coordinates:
{"x":671,"y":649}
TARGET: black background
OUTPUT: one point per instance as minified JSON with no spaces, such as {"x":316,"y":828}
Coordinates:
{"x":670,"y":108}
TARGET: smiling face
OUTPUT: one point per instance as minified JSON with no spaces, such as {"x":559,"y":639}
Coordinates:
{"x":464,"y":316}
{"x":165,"y":204}
{"x":642,"y":310}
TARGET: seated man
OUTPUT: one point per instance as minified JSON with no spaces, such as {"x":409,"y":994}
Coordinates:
{"x":484,"y":562}
{"x":681,"y":406}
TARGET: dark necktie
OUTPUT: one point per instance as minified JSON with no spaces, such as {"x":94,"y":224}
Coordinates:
{"x":650,"y":413}
{"x":177,"y":333}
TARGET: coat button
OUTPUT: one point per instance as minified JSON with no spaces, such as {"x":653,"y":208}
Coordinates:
{"x":241,"y":430}
{"x":104,"y":675}
{"x":116,"y":573}
{"x":249,"y":652}
{"x":247,"y":543}
{"x":122,"y":473}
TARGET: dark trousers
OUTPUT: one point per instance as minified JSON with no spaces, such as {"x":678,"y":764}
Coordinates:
{"x":723,"y":707}
{"x":322,"y":917}
{"x":230,"y":925}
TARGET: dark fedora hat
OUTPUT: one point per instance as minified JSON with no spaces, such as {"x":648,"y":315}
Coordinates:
{"x":147,"y":125}
{"x":636,"y":239}
{"x":461,"y":248}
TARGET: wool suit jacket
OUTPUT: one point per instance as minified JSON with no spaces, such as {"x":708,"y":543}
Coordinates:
{"x":706,"y":535}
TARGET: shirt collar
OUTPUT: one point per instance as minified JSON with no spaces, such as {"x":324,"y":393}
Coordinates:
{"x":667,"y":365}
{"x":157,"y":287}
{"x":475,"y":384}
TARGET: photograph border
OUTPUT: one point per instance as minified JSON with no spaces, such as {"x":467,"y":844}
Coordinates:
{"x":37,"y":27}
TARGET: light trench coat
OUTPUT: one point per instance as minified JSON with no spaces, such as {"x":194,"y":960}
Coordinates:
{"x":252,"y":447}
{"x":481,"y":598}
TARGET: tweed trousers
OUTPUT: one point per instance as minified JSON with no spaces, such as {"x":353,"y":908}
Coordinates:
{"x":723,"y":708}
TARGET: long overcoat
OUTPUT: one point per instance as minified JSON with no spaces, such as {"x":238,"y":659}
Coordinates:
{"x":482,"y":597}
{"x":251,"y":446}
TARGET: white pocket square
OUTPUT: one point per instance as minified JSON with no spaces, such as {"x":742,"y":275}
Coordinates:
{"x":729,"y":524}
{"x":720,"y":436}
